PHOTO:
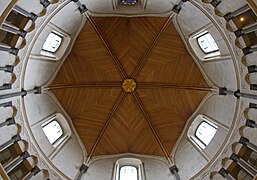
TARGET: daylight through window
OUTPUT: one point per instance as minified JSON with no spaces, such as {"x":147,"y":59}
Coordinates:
{"x":207,"y":43}
{"x":205,"y":132}
{"x":53,"y":131}
{"x":52,"y":43}
{"x":128,"y":173}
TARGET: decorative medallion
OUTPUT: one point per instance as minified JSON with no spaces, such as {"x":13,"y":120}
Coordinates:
{"x":129,"y":85}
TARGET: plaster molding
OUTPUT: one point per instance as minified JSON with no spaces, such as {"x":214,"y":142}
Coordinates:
{"x":129,"y":155}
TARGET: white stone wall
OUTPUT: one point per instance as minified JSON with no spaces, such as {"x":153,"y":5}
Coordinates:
{"x":3,"y":5}
{"x":68,"y":21}
{"x":103,"y":168}
{"x":221,"y":72}
{"x":112,"y":7}
{"x":66,"y":157}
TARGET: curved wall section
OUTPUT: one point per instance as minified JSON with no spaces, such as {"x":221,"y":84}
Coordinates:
{"x":50,"y":159}
{"x":143,"y":8}
{"x":220,"y":69}
{"x":68,"y":154}
{"x":41,"y":69}
{"x":102,"y":167}
{"x":187,"y":155}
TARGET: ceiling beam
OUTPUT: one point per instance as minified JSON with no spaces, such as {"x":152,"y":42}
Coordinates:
{"x":114,"y":58}
{"x":173,"y":86}
{"x":150,"y":124}
{"x":85,"y":85}
{"x":107,"y":122}
{"x":146,"y":56}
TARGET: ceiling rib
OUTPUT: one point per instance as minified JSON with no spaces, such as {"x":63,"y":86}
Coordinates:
{"x":86,"y":85}
{"x":172,"y":86}
{"x":107,"y":122}
{"x":114,"y":58}
{"x":140,"y":85}
{"x":154,"y":131}
{"x":144,"y":59}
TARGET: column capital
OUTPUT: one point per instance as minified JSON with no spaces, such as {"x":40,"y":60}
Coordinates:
{"x":16,"y":138}
{"x":228,"y":16}
{"x":83,"y":9}
{"x":176,"y":9}
{"x":223,"y":91}
{"x":45,"y":3}
{"x":215,"y":3}
{"x":83,"y":168}
{"x":35,"y":170}
{"x":10,"y":121}
{"x":237,"y":93}
{"x":173,"y":169}
{"x":223,"y":172}
{"x":250,"y":123}
{"x":243,"y":140}
{"x":234,"y":157}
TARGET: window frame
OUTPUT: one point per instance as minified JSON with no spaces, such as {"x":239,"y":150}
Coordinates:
{"x":60,"y":137}
{"x":194,"y":125}
{"x":128,"y":165}
{"x":128,"y":161}
{"x":53,"y":52}
{"x":204,"y":34}
{"x":205,"y":121}
{"x":62,"y":50}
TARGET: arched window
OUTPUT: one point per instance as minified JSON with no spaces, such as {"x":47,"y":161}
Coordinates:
{"x":128,"y":169}
{"x":202,"y":131}
{"x":128,"y":173}
{"x":53,"y":131}
{"x":205,"y":132}
{"x":207,"y":43}
{"x":52,"y":43}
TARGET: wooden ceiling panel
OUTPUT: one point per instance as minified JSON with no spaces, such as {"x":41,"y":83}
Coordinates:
{"x":169,"y":86}
{"x":128,"y":132}
{"x":170,"y":62}
{"x":88,"y":109}
{"x":169,"y":110}
{"x":130,"y":38}
{"x":90,"y":58}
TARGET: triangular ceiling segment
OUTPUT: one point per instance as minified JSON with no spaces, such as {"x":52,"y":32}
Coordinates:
{"x":128,"y":132}
{"x":169,"y":110}
{"x":130,"y":38}
{"x":171,"y":63}
{"x":89,"y":61}
{"x":88,"y":109}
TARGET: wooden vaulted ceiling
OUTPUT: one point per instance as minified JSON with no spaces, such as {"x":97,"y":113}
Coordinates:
{"x":146,"y":121}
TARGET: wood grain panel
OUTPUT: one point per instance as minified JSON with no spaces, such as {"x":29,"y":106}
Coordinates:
{"x":85,"y":86}
{"x":88,"y":61}
{"x":128,"y":132}
{"x":171,"y":63}
{"x":130,"y":38}
{"x":169,"y":110}
{"x":88,"y":109}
